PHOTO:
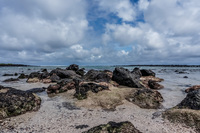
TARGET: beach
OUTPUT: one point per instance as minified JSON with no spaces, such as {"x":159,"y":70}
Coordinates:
{"x":62,"y":112}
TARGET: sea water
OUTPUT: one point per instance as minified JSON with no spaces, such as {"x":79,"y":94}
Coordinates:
{"x":174,"y":83}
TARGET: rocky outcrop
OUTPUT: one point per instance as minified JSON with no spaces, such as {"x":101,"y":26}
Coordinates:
{"x":190,"y":89}
{"x":187,"y":112}
{"x":62,"y":86}
{"x":125,"y":77}
{"x":136,"y":71}
{"x":192,"y":101}
{"x":37,"y":76}
{"x":83,"y":87}
{"x":15,"y":102}
{"x":154,"y":85}
{"x":113,"y":127}
{"x":98,"y":76}
{"x":146,"y":98}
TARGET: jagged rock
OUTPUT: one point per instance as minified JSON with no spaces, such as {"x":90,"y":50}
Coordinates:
{"x":64,"y":73}
{"x":146,"y":98}
{"x":44,"y":70}
{"x":22,"y":76}
{"x":34,"y":75}
{"x":11,"y":80}
{"x":192,"y":101}
{"x":153,"y":85}
{"x":113,"y":127}
{"x":83,"y":87}
{"x":146,"y":72}
{"x":98,"y":76}
{"x":15,"y":102}
{"x":190,"y":89}
{"x":125,"y":77}
{"x":73,"y":67}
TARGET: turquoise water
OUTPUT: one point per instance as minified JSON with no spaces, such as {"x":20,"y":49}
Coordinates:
{"x":174,"y":84}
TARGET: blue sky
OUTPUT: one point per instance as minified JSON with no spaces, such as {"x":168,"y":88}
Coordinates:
{"x":100,"y":32}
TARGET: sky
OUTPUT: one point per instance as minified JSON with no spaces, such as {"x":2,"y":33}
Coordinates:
{"x":100,"y":32}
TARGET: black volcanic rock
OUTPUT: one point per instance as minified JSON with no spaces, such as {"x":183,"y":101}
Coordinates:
{"x":146,"y":72}
{"x":64,"y":73}
{"x":15,"y":102}
{"x":11,"y":80}
{"x":125,"y":77}
{"x":73,"y":67}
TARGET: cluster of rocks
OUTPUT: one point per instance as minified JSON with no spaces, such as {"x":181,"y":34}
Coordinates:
{"x":14,"y":102}
{"x":188,"y":110}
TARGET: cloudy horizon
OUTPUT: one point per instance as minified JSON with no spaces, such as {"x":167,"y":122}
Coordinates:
{"x":100,"y":32}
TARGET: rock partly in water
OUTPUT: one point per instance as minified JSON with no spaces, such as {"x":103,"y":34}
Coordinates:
{"x":6,"y":74}
{"x":192,"y":101}
{"x":146,"y":98}
{"x":98,"y":76}
{"x":190,"y":89}
{"x":146,"y":72}
{"x":185,"y":77}
{"x":113,"y":127}
{"x":125,"y":77}
{"x":11,"y":80}
{"x":83,"y":87}
{"x":154,"y":85}
{"x":145,"y":81}
{"x":15,"y":102}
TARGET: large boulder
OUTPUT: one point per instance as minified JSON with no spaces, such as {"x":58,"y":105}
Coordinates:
{"x":83,"y":87}
{"x":15,"y":102}
{"x":125,"y":77}
{"x":113,"y":127}
{"x":192,"y":101}
{"x":146,"y":72}
{"x":70,"y":74}
{"x":146,"y":98}
{"x":190,"y":89}
{"x":98,"y":76}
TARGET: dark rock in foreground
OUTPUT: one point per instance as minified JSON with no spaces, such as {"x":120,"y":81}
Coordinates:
{"x":125,"y":77}
{"x":190,"y":89}
{"x":113,"y":127}
{"x":192,"y":101}
{"x":146,"y":98}
{"x":15,"y":102}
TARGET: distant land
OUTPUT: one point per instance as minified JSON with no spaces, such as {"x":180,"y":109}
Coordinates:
{"x":162,"y":65}
{"x":12,"y":65}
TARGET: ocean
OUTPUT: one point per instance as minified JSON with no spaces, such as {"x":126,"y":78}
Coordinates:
{"x":174,"y":82}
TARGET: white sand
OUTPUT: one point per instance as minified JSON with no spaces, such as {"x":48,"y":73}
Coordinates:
{"x":53,"y":117}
